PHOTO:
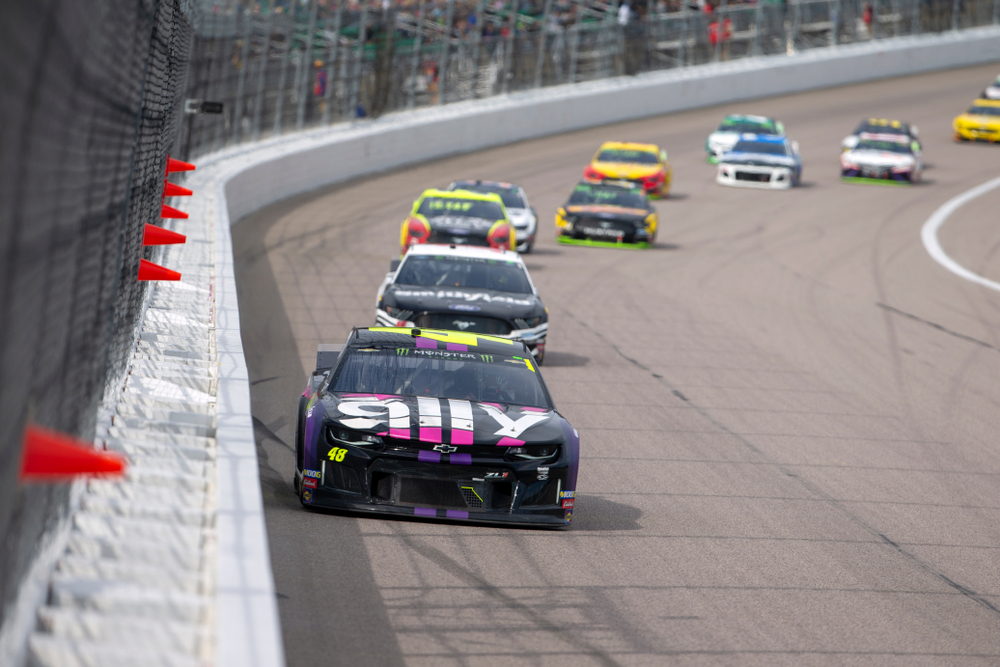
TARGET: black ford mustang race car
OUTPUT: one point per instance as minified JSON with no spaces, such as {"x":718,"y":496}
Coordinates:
{"x":609,"y":213}
{"x":442,"y":424}
{"x":476,"y":290}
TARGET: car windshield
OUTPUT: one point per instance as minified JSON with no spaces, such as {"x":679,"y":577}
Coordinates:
{"x":768,"y":147}
{"x":510,"y":196}
{"x":627,"y":156}
{"x":468,"y":272}
{"x":984,"y":110}
{"x":405,"y":371}
{"x":885,"y":146}
{"x":433,"y":207}
{"x":883,"y":127}
{"x":586,"y":193}
{"x":742,"y":125}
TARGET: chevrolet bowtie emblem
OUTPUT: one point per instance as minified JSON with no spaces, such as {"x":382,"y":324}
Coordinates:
{"x":445,"y":449}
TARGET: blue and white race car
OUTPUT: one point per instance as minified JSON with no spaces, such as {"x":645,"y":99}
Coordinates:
{"x":761,"y":161}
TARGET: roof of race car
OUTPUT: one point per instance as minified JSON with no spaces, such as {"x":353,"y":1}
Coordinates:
{"x":492,"y":184}
{"x":763,"y":120}
{"x":629,"y":146}
{"x":884,"y":122}
{"x":985,"y":103}
{"x":879,"y":136}
{"x":477,"y":252}
{"x":436,"y":339}
{"x":460,"y":194}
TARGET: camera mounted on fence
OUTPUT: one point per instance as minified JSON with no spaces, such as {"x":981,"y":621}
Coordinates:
{"x":202,"y":106}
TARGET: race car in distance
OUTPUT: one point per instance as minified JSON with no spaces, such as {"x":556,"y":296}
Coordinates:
{"x":882,"y":158}
{"x":761,"y":161}
{"x":460,"y":218}
{"x":733,"y":127}
{"x":643,"y":164}
{"x":992,"y":91}
{"x":434,"y":424}
{"x":476,"y":290}
{"x":880,"y":126}
{"x":981,"y":122}
{"x":610,"y":213}
{"x":521,"y":214}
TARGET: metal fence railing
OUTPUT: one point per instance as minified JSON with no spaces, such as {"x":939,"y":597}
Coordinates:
{"x":283,"y":66}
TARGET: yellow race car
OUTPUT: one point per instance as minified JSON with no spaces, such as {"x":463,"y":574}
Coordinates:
{"x":458,"y":217}
{"x":981,"y":122}
{"x":643,"y":164}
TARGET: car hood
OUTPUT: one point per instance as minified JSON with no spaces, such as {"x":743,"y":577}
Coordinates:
{"x":978,"y":121}
{"x":433,"y":420}
{"x":461,"y":225}
{"x":626,"y":170}
{"x":878,"y":158}
{"x":608,"y":212}
{"x":758,"y":159}
{"x":459,"y":300}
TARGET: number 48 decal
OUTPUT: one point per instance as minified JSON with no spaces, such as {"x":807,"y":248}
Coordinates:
{"x":337,"y":454}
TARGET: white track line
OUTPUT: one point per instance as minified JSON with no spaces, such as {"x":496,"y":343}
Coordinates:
{"x":928,"y":234}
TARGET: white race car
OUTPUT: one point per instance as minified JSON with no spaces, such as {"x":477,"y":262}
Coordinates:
{"x":879,"y":126}
{"x":882,"y":158}
{"x":992,"y":91}
{"x":733,"y":127}
{"x":521,"y":215}
{"x":761,"y":161}
{"x":464,"y":288}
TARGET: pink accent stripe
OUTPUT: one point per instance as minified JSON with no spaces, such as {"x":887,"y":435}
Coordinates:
{"x":457,"y":347}
{"x":426,"y":342}
{"x":525,"y":408}
{"x":509,"y":442}
{"x":460,"y":437}
{"x":495,"y":405}
{"x":401,"y":433}
{"x":430,"y":435}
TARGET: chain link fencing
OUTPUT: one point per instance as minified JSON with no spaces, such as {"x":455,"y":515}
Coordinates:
{"x":89,"y":107}
{"x":283,"y":66}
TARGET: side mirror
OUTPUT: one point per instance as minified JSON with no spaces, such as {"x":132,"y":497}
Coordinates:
{"x":795,"y":147}
{"x":914,"y":131}
{"x":394,"y":264}
{"x":780,"y":127}
{"x":663,"y":156}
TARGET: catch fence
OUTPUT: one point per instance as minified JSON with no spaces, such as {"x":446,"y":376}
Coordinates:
{"x":316,"y":62}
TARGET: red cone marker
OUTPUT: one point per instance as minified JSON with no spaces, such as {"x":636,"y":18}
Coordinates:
{"x":50,"y":456}
{"x":174,"y":190}
{"x":168,"y":212}
{"x":154,"y":235}
{"x":150,"y":271}
{"x":176,"y":165}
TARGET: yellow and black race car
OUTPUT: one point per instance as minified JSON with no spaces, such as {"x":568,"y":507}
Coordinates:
{"x":645,"y":165}
{"x":458,"y":217}
{"x":981,"y":122}
{"x":607,"y":214}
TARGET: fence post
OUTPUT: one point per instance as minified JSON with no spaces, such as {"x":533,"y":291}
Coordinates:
{"x":996,"y":12}
{"x":914,"y":17}
{"x":477,"y":41}
{"x":508,"y":52}
{"x":720,"y":30}
{"x":258,"y":105}
{"x":303,"y":79}
{"x":220,"y":49}
{"x":758,"y":27}
{"x":574,"y":47}
{"x":955,"y":6}
{"x":834,"y":22}
{"x":331,"y":70}
{"x":540,"y":63}
{"x":359,"y":58}
{"x":241,"y":82}
{"x":417,"y":43}
{"x":445,"y":47}
{"x":280,"y":104}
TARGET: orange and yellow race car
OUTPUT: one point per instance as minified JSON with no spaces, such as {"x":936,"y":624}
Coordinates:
{"x":643,"y":164}
{"x":981,"y":122}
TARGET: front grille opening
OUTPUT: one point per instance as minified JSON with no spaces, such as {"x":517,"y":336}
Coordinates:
{"x":463,"y":322}
{"x":382,"y":486}
{"x":443,"y":493}
{"x":340,"y":477}
{"x":752,"y":176}
{"x":501,"y":496}
{"x":540,"y":493}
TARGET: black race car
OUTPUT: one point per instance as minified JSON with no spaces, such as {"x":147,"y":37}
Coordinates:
{"x":477,"y":290}
{"x":436,"y":424}
{"x":609,"y":213}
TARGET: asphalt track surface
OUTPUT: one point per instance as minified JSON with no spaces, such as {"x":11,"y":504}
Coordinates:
{"x":789,"y":415}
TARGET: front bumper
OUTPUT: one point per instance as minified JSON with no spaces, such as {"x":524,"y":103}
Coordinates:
{"x":876,"y":176}
{"x":534,"y":338}
{"x":743,"y":176}
{"x":977,"y":134}
{"x":432,"y":485}
{"x":568,"y":240}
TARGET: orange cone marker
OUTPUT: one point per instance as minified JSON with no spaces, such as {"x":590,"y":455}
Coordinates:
{"x":176,"y":165}
{"x":50,"y":456}
{"x":174,"y":190}
{"x":150,"y":271}
{"x":168,"y":212}
{"x":154,"y":235}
